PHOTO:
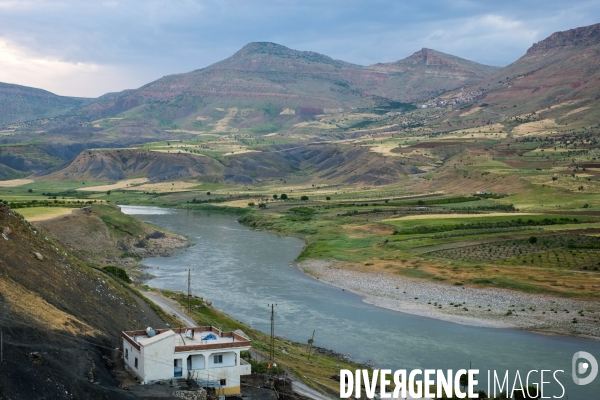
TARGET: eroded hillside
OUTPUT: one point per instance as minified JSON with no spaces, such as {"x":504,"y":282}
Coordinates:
{"x":60,"y":319}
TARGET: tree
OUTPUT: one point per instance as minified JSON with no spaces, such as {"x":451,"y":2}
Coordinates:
{"x":304,"y":198}
{"x":208,"y":193}
{"x":327,"y":198}
{"x":283,"y":196}
{"x":533,"y":240}
{"x":30,"y":190}
{"x":275,"y":196}
{"x":262,"y":205}
{"x":464,"y":381}
{"x":482,"y":394}
{"x":108,"y":193}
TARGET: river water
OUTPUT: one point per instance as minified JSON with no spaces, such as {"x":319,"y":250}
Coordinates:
{"x":243,"y":271}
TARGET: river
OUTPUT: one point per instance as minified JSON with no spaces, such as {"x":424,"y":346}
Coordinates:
{"x":243,"y":271}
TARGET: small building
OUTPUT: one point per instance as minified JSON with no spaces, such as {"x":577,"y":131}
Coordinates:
{"x":202,"y":353}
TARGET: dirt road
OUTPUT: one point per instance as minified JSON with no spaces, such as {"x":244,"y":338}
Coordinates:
{"x":171,"y":307}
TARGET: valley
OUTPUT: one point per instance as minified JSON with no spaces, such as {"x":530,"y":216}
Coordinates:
{"x":432,"y":185}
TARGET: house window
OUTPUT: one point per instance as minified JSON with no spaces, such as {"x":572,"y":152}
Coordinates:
{"x":136,"y":362}
{"x":218,"y":359}
{"x":223,"y":382}
{"x":126,"y":354}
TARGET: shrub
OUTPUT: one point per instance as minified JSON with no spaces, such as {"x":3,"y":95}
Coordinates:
{"x":118,"y":273}
{"x":304,"y":198}
{"x":533,"y":240}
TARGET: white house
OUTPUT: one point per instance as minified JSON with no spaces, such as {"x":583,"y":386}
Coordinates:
{"x":201,"y":353}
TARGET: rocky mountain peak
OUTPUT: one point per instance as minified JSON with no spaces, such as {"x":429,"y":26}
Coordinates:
{"x":262,"y":50}
{"x":587,"y":35}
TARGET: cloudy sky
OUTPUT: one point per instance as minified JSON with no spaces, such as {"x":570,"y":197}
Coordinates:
{"x":88,"y":48}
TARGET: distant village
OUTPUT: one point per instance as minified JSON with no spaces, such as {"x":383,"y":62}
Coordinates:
{"x":460,"y":98}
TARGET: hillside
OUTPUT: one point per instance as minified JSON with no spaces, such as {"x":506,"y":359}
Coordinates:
{"x":21,"y":103}
{"x":560,"y":72}
{"x":428,"y":73}
{"x":331,"y":163}
{"x":103,"y":235}
{"x":60,"y":319}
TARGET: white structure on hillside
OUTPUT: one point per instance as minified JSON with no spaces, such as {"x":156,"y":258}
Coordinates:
{"x":201,"y":353}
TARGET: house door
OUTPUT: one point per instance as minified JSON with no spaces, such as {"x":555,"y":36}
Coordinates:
{"x":177,"y":368}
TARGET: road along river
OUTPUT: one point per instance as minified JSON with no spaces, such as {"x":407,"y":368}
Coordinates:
{"x":243,"y":271}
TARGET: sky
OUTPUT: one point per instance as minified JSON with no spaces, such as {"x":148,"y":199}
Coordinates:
{"x":92,"y":47}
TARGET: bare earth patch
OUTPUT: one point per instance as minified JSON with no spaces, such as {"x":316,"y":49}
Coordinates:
{"x":30,"y":305}
{"x":15,"y":182}
{"x":119,"y":185}
{"x":164,"y":186}
{"x":536,"y":127}
{"x":35,"y":214}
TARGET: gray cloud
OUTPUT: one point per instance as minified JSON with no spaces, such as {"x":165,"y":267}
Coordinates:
{"x":113,"y":45}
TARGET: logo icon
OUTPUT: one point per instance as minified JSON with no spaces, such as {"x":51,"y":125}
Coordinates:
{"x":582,"y":367}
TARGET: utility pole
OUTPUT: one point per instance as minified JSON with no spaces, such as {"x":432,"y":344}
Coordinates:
{"x":272,"y":351}
{"x":190,"y":291}
{"x":310,"y":343}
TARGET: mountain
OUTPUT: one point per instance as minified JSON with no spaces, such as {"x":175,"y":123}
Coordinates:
{"x":563,"y":69}
{"x":22,"y":103}
{"x":428,"y":73}
{"x":270,"y":74}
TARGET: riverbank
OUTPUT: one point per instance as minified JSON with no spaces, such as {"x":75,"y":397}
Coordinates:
{"x":489,"y":307}
{"x":103,"y":235}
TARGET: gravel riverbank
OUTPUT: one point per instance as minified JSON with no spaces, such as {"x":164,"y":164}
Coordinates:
{"x":487,"y":307}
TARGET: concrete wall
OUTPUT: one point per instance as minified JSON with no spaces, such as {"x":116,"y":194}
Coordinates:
{"x":197,"y":361}
{"x":229,"y":359}
{"x":158,"y":359}
{"x":132,"y":353}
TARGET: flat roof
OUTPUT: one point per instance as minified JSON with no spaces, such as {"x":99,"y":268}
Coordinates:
{"x":190,"y":338}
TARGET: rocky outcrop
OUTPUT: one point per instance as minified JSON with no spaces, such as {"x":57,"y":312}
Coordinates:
{"x":587,"y":35}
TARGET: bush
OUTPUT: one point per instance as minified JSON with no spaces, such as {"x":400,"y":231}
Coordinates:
{"x":283,"y":196}
{"x":327,"y":198}
{"x":118,"y":273}
{"x":261,"y":367}
{"x":533,"y":240}
{"x":304,"y":198}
